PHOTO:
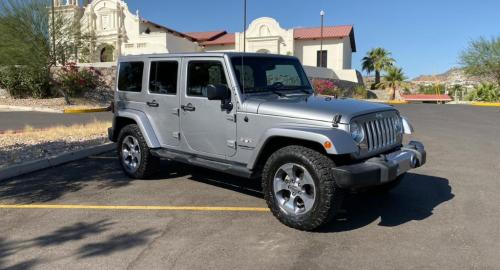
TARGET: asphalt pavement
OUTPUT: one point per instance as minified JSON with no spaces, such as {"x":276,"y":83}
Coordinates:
{"x":19,"y":120}
{"x":444,"y":215}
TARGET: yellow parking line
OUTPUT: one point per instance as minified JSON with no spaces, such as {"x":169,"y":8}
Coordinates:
{"x":137,"y":207}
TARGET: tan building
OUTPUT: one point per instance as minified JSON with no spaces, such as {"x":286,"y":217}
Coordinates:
{"x":120,"y":32}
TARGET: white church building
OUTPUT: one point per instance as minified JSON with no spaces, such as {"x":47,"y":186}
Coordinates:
{"x":119,"y":32}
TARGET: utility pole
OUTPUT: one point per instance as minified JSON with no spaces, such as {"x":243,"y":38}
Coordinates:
{"x":53,"y":33}
{"x":244,"y":25}
{"x":322,"y":15}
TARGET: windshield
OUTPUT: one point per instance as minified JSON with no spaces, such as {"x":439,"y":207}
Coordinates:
{"x":257,"y":74}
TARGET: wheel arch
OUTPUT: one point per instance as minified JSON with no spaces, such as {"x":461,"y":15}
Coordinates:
{"x":128,"y":117}
{"x":313,"y":138}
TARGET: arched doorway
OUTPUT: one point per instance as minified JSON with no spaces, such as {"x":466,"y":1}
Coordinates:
{"x":263,"y":51}
{"x":107,"y":54}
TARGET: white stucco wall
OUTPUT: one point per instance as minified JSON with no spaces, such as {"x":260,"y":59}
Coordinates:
{"x":220,"y":48}
{"x":306,"y":51}
{"x":265,"y":34}
{"x":180,"y":44}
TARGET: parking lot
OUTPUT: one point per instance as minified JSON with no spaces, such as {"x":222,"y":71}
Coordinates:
{"x":444,"y":215}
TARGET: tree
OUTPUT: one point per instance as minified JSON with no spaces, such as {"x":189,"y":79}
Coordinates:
{"x":393,"y":80}
{"x":26,"y":38}
{"x":482,"y":58}
{"x":378,"y":60}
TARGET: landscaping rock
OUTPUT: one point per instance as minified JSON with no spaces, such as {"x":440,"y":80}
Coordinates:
{"x":3,"y":93}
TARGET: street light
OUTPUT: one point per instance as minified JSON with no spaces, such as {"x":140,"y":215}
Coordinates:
{"x":322,"y":15}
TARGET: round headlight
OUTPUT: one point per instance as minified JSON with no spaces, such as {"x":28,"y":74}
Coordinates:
{"x":357,"y":132}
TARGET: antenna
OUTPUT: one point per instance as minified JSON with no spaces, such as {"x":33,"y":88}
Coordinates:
{"x":244,"y":25}
{"x":242,"y":72}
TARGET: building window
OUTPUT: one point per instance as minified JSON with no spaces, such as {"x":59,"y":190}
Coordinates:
{"x":322,"y":57}
{"x":141,"y":45}
{"x":130,"y":76}
{"x":163,"y":77}
{"x":129,"y":46}
{"x":203,"y":73}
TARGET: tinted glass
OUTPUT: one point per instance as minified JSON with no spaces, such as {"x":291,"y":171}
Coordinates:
{"x":203,"y":73}
{"x":263,"y":74}
{"x":163,"y":77}
{"x":130,"y":76}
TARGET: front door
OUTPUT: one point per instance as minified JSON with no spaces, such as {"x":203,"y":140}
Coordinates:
{"x":206,"y":127}
{"x":162,"y":100}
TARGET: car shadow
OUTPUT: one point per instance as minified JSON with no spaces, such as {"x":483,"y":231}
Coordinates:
{"x":210,"y":177}
{"x":413,"y":200}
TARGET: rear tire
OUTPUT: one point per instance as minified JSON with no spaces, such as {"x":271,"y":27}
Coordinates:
{"x":299,"y":187}
{"x":134,"y":154}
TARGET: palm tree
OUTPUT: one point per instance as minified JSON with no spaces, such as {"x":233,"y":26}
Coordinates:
{"x":393,"y":80}
{"x":377,"y":60}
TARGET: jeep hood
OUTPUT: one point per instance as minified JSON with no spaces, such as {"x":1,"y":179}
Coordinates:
{"x":313,"y":107}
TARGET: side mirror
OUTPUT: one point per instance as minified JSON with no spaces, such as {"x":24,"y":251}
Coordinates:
{"x":218,"y":92}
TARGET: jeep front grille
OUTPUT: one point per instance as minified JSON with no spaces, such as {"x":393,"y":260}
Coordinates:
{"x":380,"y":133}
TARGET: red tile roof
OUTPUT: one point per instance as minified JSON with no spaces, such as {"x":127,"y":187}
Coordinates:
{"x":169,"y":30}
{"x":425,"y":97}
{"x":328,"y":33}
{"x":205,"y":36}
{"x":227,"y":39}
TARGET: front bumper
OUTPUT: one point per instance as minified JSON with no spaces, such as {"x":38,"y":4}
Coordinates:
{"x":382,"y":169}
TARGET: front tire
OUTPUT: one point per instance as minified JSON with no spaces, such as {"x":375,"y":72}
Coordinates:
{"x":299,"y":187}
{"x":134,"y":155}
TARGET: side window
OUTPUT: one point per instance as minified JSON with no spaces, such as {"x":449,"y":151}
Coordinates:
{"x":163,"y":77}
{"x":203,"y":73}
{"x":130,"y":76}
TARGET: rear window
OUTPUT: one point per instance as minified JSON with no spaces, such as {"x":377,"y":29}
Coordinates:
{"x":130,"y":76}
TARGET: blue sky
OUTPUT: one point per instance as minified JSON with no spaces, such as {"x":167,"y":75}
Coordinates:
{"x":424,"y":36}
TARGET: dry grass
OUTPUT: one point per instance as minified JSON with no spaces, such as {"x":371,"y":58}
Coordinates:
{"x":30,"y":135}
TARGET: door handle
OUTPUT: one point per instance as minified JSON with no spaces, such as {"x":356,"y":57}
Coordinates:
{"x":153,"y":104}
{"x":189,"y":107}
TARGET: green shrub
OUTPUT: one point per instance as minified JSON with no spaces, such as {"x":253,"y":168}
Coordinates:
{"x":431,"y":89}
{"x":25,"y":81}
{"x":75,"y":82}
{"x":360,"y":92}
{"x":485,"y":92}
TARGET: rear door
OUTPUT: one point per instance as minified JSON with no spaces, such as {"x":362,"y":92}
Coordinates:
{"x":162,"y":100}
{"x":207,"y":128}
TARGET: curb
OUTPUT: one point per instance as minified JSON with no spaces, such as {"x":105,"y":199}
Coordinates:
{"x":486,"y":104}
{"x":29,"y":109}
{"x":395,"y":102}
{"x":93,"y":110}
{"x":37,"y":165}
{"x":48,"y":110}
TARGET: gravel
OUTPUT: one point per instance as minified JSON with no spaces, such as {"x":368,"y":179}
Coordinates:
{"x":17,"y":148}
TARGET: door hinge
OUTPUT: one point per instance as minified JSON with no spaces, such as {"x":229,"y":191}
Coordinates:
{"x":231,"y":118}
{"x":176,"y":135}
{"x":231,"y":144}
{"x":175,"y":111}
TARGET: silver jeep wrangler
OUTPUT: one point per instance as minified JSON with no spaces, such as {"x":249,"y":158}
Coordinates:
{"x":256,"y":116}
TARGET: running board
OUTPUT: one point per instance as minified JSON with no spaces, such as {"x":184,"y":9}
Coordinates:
{"x":232,"y":168}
